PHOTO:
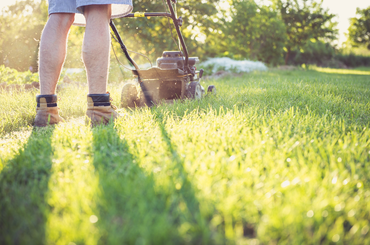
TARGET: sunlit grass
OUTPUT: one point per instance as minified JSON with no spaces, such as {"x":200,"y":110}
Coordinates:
{"x":357,"y":71}
{"x":18,"y":108}
{"x":362,"y":68}
{"x":73,"y":188}
{"x":276,"y":157}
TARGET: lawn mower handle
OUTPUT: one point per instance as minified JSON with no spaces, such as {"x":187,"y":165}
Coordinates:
{"x":177,"y":23}
{"x":123,"y":46}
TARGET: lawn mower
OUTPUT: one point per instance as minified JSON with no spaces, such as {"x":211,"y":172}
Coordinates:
{"x":174,"y":77}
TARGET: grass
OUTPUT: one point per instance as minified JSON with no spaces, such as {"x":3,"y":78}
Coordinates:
{"x":356,"y":71}
{"x":274,"y":158}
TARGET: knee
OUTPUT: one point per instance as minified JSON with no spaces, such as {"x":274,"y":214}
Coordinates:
{"x":62,"y":20}
{"x":97,"y":12}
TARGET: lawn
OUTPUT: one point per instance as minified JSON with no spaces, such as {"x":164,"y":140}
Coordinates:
{"x":279,"y":157}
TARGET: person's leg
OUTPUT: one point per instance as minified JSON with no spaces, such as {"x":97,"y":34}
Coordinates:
{"x":53,"y":47}
{"x":95,"y":53}
{"x":96,"y":47}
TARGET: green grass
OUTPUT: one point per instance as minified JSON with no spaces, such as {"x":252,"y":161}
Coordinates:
{"x":356,"y":71}
{"x":274,"y":158}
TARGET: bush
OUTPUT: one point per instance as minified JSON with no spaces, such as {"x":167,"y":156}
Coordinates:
{"x":324,"y":55}
{"x":353,"y":60}
{"x":314,"y":53}
{"x":12,"y":76}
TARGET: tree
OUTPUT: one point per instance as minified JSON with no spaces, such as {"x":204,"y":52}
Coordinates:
{"x":250,"y":31}
{"x":305,"y":20}
{"x":359,"y":30}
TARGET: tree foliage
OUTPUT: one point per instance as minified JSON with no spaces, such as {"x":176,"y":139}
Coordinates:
{"x":359,"y":30}
{"x":250,"y":31}
{"x":245,"y":30}
{"x":305,"y":20}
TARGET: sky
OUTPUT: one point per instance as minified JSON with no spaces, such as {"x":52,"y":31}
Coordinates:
{"x":344,"y":9}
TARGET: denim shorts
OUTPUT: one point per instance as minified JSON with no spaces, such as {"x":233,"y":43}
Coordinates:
{"x":120,"y":8}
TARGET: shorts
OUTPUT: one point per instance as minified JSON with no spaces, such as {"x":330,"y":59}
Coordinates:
{"x":120,"y":8}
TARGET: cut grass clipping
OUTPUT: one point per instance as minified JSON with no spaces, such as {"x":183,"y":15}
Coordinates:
{"x":273,"y":158}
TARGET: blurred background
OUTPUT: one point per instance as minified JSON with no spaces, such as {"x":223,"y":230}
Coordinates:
{"x":326,"y":33}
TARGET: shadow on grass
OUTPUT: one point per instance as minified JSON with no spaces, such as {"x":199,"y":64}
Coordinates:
{"x":23,"y":187}
{"x":132,"y":209}
{"x":185,"y":191}
{"x":181,"y":180}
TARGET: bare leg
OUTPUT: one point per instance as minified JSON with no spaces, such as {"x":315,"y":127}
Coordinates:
{"x":53,"y":48}
{"x":96,"y":46}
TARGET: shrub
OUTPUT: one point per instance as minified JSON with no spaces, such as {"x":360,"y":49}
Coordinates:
{"x":12,"y":76}
{"x":353,"y":60}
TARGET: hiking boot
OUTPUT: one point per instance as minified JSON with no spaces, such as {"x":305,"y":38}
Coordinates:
{"x":47,"y":111}
{"x":100,"y":111}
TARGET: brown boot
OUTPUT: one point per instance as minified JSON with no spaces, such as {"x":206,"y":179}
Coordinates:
{"x":47,"y":111}
{"x":100,"y":110}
